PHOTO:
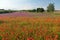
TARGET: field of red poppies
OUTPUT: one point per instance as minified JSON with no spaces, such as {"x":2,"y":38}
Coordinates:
{"x":29,"y":26}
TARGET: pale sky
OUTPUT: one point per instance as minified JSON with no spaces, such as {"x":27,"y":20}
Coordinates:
{"x":27,"y":4}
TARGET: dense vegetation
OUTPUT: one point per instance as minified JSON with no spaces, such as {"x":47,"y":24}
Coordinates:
{"x":6,"y":11}
{"x":50,"y":7}
{"x":24,"y":28}
{"x":40,"y":9}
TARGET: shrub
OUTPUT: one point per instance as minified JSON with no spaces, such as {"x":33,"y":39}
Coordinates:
{"x":40,"y":9}
{"x":6,"y":11}
{"x":33,"y":10}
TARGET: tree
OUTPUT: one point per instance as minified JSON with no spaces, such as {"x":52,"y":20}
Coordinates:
{"x":34,"y":10}
{"x":50,"y":7}
{"x":40,"y":9}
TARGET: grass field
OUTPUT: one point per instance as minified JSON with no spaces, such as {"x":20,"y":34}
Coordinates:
{"x":29,"y":26}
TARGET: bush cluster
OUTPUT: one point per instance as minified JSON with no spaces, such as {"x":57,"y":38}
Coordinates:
{"x":6,"y":11}
{"x":37,"y":10}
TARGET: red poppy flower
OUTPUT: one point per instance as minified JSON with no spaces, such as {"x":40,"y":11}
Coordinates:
{"x":30,"y":38}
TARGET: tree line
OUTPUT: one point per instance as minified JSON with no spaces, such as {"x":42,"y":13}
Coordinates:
{"x":50,"y":8}
{"x":7,"y":11}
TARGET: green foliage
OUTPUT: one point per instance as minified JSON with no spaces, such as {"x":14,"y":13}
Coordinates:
{"x":0,"y":37}
{"x":6,"y":11}
{"x":58,"y":35}
{"x":40,"y":9}
{"x":36,"y":10}
{"x":50,"y":8}
{"x":1,"y":22}
{"x":33,"y":10}
{"x":42,"y":38}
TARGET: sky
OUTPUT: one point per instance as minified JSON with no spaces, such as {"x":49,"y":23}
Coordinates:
{"x":27,"y":4}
